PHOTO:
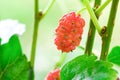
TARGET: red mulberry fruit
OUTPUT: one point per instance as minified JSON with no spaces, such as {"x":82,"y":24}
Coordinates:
{"x":53,"y":75}
{"x":69,"y":32}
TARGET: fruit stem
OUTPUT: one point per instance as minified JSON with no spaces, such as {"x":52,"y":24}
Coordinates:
{"x":81,"y":47}
{"x":91,"y":33}
{"x":101,"y":8}
{"x":48,"y":7}
{"x":81,"y":10}
{"x":61,"y":60}
{"x":93,"y":16}
{"x":106,"y":37}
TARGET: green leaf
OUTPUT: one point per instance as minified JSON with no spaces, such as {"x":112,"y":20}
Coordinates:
{"x":76,"y":66}
{"x":10,"y":51}
{"x":87,"y":68}
{"x":114,"y":55}
{"x":102,"y":70}
{"x":13,"y":64}
{"x":17,"y":70}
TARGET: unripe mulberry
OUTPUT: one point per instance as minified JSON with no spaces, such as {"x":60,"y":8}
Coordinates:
{"x":69,"y":32}
{"x":53,"y":75}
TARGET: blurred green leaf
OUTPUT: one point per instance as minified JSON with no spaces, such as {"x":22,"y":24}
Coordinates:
{"x":13,"y":65}
{"x":114,"y":55}
{"x":87,"y":68}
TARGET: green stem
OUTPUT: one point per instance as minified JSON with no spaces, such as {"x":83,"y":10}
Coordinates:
{"x":37,"y":17}
{"x":60,"y":62}
{"x":101,"y":8}
{"x":35,"y":33}
{"x":34,"y":39}
{"x":93,"y":16}
{"x":91,"y":33}
{"x":106,"y":38}
{"x":0,"y":41}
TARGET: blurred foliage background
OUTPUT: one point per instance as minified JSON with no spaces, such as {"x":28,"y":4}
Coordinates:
{"x":47,"y":54}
